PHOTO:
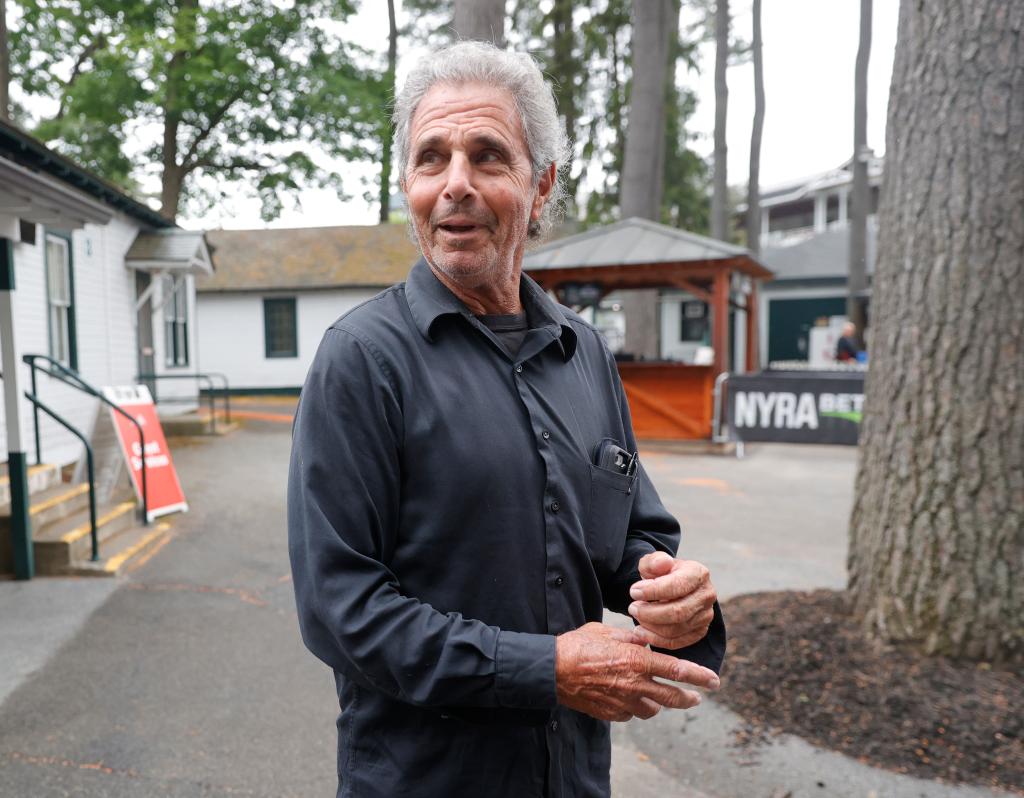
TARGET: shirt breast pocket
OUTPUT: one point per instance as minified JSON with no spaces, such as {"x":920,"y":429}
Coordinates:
{"x":611,"y":500}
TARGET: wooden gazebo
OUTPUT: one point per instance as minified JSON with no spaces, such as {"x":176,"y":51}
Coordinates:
{"x":668,"y":400}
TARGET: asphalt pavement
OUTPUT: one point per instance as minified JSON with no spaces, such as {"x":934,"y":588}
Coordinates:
{"x":187,"y":677}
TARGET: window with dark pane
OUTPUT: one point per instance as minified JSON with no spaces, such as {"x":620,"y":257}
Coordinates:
{"x":176,"y":321}
{"x":60,"y":300}
{"x":280,"y":335}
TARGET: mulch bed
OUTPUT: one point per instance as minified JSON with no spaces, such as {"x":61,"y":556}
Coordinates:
{"x":798,"y":664}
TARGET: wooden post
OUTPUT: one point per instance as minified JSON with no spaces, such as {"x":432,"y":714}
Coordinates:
{"x":720,"y":321}
{"x":752,"y":329}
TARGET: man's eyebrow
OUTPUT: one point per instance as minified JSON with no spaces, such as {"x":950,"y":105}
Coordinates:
{"x":488,"y":142}
{"x":429,"y":143}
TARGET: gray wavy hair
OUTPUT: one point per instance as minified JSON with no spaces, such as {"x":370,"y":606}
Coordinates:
{"x":519,"y":75}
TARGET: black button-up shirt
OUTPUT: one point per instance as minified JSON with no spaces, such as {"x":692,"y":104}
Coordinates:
{"x":446,"y":521}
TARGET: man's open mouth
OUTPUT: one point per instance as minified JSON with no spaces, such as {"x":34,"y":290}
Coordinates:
{"x":458,"y":228}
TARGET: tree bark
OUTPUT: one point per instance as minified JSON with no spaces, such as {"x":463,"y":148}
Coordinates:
{"x":173,"y":175}
{"x":860,"y":196}
{"x":5,"y":65}
{"x":385,"y":161}
{"x":481,"y":19}
{"x":642,"y":168}
{"x":720,"y":189}
{"x":754,"y":180}
{"x":643,"y":159}
{"x":937,"y":529}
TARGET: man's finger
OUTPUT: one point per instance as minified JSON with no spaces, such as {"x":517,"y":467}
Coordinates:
{"x":685,"y":577}
{"x":679,"y":670}
{"x":686,"y":611}
{"x":655,"y":564}
{"x":670,"y":696}
{"x":671,"y":643}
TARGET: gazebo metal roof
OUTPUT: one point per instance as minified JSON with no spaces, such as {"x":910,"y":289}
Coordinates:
{"x":641,"y":253}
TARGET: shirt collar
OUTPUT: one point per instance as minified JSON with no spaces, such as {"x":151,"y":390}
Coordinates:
{"x":429,"y":299}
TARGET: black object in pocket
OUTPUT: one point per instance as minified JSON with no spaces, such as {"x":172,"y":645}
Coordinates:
{"x":611,"y":500}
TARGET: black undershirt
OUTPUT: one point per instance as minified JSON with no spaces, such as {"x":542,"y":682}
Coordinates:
{"x":510,"y":328}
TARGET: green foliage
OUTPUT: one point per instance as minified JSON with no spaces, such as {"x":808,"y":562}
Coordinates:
{"x":238,"y":90}
{"x":585,"y":49}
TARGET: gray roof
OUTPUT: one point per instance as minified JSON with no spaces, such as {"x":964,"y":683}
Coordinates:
{"x":824,"y":255}
{"x":629,"y":242}
{"x":170,"y":249}
{"x":370,"y":256}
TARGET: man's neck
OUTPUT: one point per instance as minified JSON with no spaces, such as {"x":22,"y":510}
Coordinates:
{"x":490,"y":299}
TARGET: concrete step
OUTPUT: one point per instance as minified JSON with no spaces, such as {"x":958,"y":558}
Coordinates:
{"x":40,"y":477}
{"x":63,"y":542}
{"x":48,"y":505}
{"x":127,"y":551}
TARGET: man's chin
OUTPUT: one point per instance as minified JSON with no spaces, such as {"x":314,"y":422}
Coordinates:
{"x":464,"y":267}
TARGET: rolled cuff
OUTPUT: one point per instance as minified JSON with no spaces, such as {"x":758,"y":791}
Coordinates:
{"x":526,"y":670}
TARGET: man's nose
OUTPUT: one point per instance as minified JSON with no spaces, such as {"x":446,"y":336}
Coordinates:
{"x":460,"y":179}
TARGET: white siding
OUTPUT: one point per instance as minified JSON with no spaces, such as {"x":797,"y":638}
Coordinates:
{"x":104,"y":293}
{"x":231,"y":335}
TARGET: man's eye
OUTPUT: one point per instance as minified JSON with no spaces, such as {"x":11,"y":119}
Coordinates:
{"x":489,"y":156}
{"x":429,"y":157}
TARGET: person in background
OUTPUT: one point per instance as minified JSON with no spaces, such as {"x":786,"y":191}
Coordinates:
{"x":846,"y":346}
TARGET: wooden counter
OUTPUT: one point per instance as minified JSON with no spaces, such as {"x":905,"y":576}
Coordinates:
{"x":669,"y":401}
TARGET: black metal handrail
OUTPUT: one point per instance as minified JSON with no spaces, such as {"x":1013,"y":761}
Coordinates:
{"x":198,"y":377}
{"x":37,"y":403}
{"x":71,"y":377}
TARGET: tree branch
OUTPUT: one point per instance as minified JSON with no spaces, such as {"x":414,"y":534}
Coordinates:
{"x":188,"y":160}
{"x":76,"y":70}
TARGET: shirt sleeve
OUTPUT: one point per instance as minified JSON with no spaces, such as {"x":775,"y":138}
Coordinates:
{"x":343,"y":508}
{"x":653,"y":528}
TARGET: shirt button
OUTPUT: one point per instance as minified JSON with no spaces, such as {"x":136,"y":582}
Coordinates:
{"x":559,"y":581}
{"x":546,"y":435}
{"x":519,"y":369}
{"x":554,"y":725}
{"x":555,"y":506}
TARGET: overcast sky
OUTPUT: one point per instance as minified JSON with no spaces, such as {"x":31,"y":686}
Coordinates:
{"x":810,"y":47}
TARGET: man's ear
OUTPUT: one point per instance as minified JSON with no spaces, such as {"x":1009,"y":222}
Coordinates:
{"x":545,"y":183}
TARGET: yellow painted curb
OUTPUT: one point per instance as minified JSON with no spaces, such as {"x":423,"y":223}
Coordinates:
{"x":78,"y":490}
{"x":115,"y":562}
{"x":79,"y":531}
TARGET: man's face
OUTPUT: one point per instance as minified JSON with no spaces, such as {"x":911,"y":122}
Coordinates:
{"x":469,"y":182}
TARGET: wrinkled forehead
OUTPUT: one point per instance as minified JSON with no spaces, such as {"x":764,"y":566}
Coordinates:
{"x":450,"y":107}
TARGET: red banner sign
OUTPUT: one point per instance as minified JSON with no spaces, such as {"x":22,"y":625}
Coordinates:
{"x":163,"y":491}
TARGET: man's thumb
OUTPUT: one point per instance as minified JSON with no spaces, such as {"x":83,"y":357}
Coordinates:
{"x":651,"y":566}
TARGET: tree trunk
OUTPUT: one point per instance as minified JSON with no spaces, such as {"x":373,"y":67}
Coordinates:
{"x":565,"y":67}
{"x":173,"y":173}
{"x":385,"y":161}
{"x":754,"y":180}
{"x":720,"y":190}
{"x":481,"y":19}
{"x":937,"y":530}
{"x":642,"y":164}
{"x":5,"y":65}
{"x":643,"y":160}
{"x":860,"y":196}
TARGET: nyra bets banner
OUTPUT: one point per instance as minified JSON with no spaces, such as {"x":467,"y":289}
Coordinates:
{"x":796,"y":407}
{"x":163,"y":491}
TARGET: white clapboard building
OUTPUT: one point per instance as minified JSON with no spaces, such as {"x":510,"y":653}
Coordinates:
{"x":98,"y":288}
{"x":272,"y":294}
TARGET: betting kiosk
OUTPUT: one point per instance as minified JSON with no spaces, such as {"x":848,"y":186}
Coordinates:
{"x":668,"y":399}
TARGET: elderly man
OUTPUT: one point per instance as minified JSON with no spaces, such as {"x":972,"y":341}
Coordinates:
{"x":465,"y":497}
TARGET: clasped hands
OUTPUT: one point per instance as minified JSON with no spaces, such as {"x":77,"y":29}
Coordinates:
{"x":610,"y":673}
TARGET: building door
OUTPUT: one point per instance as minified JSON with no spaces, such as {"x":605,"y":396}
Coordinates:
{"x":147,"y":363}
{"x":790,"y":321}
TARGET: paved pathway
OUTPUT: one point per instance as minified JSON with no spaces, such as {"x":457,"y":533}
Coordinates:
{"x":188,"y":678}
